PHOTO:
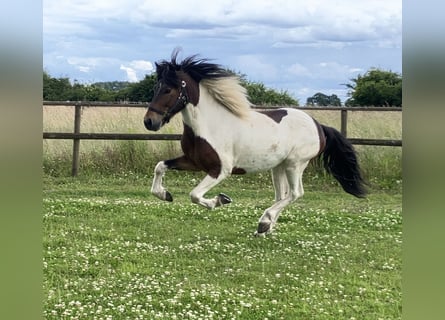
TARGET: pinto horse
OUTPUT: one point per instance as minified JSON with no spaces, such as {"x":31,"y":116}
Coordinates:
{"x":224,"y":135}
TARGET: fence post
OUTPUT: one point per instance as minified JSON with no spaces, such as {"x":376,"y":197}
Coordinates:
{"x":76,"y":142}
{"x":344,"y":122}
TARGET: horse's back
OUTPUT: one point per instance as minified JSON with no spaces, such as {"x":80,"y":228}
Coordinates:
{"x":272,"y":136}
{"x":302,"y":132}
{"x":288,"y":122}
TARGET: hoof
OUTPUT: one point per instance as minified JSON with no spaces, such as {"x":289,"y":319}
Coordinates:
{"x":224,"y":199}
{"x":259,"y":235}
{"x":164,"y":195}
{"x":168,"y":196}
{"x":263,"y":229}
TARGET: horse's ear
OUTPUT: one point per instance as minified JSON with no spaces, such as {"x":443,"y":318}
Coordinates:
{"x":159,"y":68}
{"x":174,"y":56}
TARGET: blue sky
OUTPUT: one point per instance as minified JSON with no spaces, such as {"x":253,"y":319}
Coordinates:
{"x":303,"y":47}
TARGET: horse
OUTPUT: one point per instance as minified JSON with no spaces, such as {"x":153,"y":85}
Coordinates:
{"x":223,"y":134}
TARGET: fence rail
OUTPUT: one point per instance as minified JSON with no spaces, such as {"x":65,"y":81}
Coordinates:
{"x":76,"y":136}
{"x":110,"y":136}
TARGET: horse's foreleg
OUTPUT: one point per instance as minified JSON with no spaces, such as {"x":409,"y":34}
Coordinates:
{"x":157,"y":188}
{"x":181,"y":163}
{"x":294,"y":179}
{"x":197,"y":194}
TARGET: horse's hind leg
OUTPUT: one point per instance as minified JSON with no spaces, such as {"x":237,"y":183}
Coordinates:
{"x":280,"y":183}
{"x":294,"y":175}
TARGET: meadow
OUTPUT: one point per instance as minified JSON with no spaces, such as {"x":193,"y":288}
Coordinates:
{"x":113,"y":251}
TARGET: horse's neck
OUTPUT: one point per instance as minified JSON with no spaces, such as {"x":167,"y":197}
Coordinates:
{"x":208,"y":117}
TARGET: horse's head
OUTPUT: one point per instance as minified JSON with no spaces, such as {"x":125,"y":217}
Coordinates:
{"x":169,"y":97}
{"x":173,"y":91}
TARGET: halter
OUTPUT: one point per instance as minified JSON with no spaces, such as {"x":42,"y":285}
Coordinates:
{"x":180,"y":104}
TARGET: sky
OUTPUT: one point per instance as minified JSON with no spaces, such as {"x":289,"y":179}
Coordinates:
{"x":302,"y":47}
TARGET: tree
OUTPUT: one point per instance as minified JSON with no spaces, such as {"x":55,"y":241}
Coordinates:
{"x":141,"y":91}
{"x":260,"y":95}
{"x":62,"y":90}
{"x":112,"y":85}
{"x":56,"y":89}
{"x":320,"y":99}
{"x":87,"y":92}
{"x":376,"y":88}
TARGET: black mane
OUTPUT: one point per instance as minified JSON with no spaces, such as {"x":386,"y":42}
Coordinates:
{"x":197,"y":69}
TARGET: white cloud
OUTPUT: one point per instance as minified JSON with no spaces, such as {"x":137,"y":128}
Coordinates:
{"x":256,"y":67}
{"x":90,"y":61}
{"x":294,"y":21}
{"x":289,"y":21}
{"x":88,"y":8}
{"x":279,"y":24}
{"x":88,"y":64}
{"x":334,"y":70}
{"x":142,"y":65}
{"x":322,"y":71}
{"x":286,"y":44}
{"x":84,"y":69}
{"x":131,"y":73}
{"x":355,"y":70}
{"x":304,"y":92}
{"x":136,"y":69}
{"x":299,"y":70}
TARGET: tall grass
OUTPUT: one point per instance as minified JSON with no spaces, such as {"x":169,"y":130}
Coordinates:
{"x":381,"y":165}
{"x":104,"y":156}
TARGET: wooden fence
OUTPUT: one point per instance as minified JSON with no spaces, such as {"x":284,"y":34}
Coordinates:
{"x":76,"y":135}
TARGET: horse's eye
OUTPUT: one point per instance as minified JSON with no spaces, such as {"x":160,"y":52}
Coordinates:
{"x":166,"y":90}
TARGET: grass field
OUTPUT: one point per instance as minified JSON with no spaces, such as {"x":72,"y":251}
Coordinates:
{"x":112,"y":251}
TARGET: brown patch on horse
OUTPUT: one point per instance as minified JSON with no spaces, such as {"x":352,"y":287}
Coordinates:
{"x":276,"y":115}
{"x":200,"y":153}
{"x":181,"y":163}
{"x":192,"y":87}
{"x":321,"y":136}
{"x":237,"y":170}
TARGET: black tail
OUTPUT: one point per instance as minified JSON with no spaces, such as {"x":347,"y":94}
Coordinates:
{"x":340,"y":160}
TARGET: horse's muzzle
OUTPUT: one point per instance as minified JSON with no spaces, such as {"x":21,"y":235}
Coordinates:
{"x":152,"y":125}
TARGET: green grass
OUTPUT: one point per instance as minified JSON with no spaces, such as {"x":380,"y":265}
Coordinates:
{"x":113,"y":251}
